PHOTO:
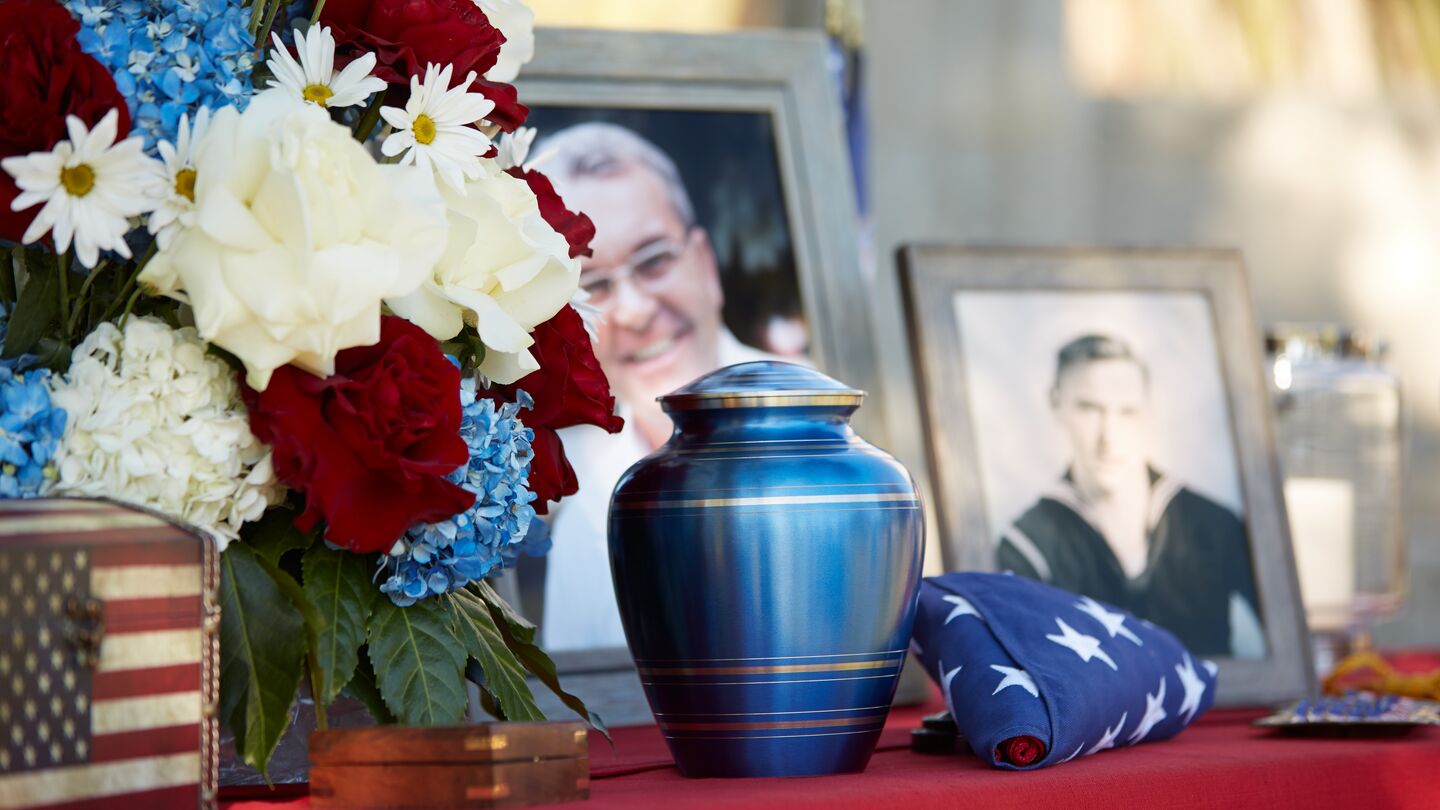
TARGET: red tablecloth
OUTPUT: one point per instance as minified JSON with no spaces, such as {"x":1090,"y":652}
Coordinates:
{"x":1219,"y":762}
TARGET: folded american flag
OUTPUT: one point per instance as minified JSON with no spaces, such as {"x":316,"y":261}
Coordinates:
{"x":1016,"y":658}
{"x":108,"y":659}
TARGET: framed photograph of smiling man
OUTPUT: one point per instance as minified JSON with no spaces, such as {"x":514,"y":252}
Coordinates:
{"x":1099,"y":420}
{"x":715,"y":171}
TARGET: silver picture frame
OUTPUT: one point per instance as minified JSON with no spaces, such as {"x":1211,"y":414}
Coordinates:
{"x":784,"y":75}
{"x":932,"y":276}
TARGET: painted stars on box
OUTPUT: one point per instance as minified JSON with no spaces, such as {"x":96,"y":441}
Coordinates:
{"x":1013,"y":656}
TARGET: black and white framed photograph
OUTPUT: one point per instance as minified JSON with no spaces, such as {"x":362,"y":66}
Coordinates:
{"x":715,"y":171}
{"x":1098,"y":420}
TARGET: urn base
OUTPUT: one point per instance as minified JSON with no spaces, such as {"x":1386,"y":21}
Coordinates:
{"x":790,"y":757}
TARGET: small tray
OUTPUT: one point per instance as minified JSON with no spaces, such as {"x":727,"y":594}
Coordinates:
{"x":1355,"y":715}
{"x":491,"y":765}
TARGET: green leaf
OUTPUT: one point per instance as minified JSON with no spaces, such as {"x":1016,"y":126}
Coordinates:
{"x":466,"y":347}
{"x":362,"y":687}
{"x":519,"y":637}
{"x":275,"y":533}
{"x":488,"y":703}
{"x":314,"y":622}
{"x":54,"y":354}
{"x":37,"y":311}
{"x":338,"y":585}
{"x":504,"y":674}
{"x":418,"y":662}
{"x":262,"y":650}
{"x":8,"y":274}
{"x":519,"y":626}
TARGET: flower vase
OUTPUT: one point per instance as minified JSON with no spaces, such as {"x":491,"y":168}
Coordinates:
{"x":290,"y":764}
{"x":767,"y":562}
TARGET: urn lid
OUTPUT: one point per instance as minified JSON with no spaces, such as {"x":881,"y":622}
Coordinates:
{"x":762,"y":384}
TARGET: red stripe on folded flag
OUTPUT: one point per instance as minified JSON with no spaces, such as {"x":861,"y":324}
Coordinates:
{"x":182,"y":552}
{"x":127,"y":683}
{"x":151,"y":615}
{"x":186,"y":796}
{"x":150,"y":742}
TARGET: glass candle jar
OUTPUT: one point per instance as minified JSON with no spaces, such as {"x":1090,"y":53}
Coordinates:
{"x":1339,"y":434}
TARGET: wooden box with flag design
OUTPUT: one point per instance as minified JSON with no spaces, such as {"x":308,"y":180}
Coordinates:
{"x":109,"y":658}
{"x":487,"y":765}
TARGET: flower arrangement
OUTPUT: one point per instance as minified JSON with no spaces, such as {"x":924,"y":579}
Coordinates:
{"x":278,"y":270}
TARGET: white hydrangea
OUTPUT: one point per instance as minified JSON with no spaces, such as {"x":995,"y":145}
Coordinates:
{"x":155,"y":421}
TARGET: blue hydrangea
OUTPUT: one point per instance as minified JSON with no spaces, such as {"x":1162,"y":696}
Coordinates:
{"x":435,"y":558}
{"x":30,"y":430}
{"x":170,"y":57}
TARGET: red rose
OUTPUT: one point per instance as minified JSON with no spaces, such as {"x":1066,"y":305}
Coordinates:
{"x":1020,"y":751}
{"x":577,"y":228}
{"x":44,"y":76}
{"x":569,"y":389}
{"x":509,"y":113}
{"x":370,"y":445}
{"x":406,"y":35}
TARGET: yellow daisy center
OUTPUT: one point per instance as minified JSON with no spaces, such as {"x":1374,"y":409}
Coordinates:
{"x":424,"y":129}
{"x":78,"y":180}
{"x":317,"y":94}
{"x":185,"y":184}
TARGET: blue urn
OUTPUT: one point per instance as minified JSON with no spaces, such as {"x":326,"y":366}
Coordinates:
{"x":766,"y":562}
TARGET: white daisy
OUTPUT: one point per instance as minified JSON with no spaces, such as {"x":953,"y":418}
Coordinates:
{"x":436,"y":128}
{"x":314,"y":78}
{"x":90,"y":185}
{"x":176,"y":209}
{"x":514,"y":147}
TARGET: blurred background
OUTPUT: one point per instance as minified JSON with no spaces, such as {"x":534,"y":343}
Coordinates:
{"x":1306,"y":133}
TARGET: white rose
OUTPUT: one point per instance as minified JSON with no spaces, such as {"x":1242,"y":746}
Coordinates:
{"x":517,"y":22}
{"x":299,"y":235}
{"x":504,"y":270}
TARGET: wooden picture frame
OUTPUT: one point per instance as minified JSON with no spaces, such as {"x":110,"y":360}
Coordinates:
{"x":937,"y":281}
{"x":780,"y":74}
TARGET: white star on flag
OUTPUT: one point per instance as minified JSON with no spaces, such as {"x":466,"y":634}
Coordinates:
{"x":1108,"y":741}
{"x":1086,"y":647}
{"x":962,"y":608}
{"x":1114,"y":622}
{"x":1154,"y":713}
{"x":1072,"y":756}
{"x":1194,"y":688}
{"x":1210,"y":667}
{"x":945,"y":679}
{"x":1015,"y":677}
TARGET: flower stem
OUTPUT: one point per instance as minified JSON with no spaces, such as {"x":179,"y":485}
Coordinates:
{"x":8,"y":290}
{"x":321,"y":721}
{"x":366,"y":124}
{"x":257,"y":13}
{"x":129,"y":305}
{"x":134,"y":274}
{"x":264,"y":32}
{"x":80,"y":298}
{"x":315,"y":15}
{"x":64,"y":266}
